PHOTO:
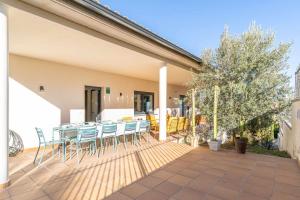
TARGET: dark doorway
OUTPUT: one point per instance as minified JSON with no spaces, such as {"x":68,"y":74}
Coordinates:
{"x":92,"y":103}
{"x":182,"y":105}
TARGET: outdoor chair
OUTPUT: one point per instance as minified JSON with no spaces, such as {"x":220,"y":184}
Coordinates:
{"x":153,"y":123}
{"x":172,"y":125}
{"x":144,"y":129}
{"x":186,"y":125}
{"x":127,"y":119}
{"x":44,"y":143}
{"x":107,"y":122}
{"x":67,"y":133}
{"x":130,"y":129}
{"x":180,"y":126}
{"x":85,"y":134}
{"x":108,"y":131}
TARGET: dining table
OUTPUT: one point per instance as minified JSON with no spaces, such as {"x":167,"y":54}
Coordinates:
{"x":67,"y":132}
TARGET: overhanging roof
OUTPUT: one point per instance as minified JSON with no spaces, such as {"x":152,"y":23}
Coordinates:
{"x":105,"y":12}
{"x":98,"y":21}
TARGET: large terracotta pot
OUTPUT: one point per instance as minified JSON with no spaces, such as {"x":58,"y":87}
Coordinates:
{"x":241,"y":145}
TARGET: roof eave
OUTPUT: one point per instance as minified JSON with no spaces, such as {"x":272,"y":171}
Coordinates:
{"x":115,"y":17}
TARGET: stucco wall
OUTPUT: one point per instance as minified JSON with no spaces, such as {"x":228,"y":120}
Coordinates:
{"x":64,"y":93}
{"x":290,"y":134}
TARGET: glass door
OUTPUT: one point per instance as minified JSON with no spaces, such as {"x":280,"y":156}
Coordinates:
{"x":182,"y":105}
{"x":92,"y":103}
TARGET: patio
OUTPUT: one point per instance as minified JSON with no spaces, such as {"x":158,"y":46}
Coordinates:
{"x":160,"y":170}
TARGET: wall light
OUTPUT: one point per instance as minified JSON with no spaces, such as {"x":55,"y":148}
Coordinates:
{"x":42,"y":88}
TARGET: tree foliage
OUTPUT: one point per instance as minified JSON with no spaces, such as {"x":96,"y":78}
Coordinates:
{"x":250,"y":72}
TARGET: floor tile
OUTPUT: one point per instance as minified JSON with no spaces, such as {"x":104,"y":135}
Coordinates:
{"x":259,"y":190}
{"x":179,"y":180}
{"x":282,"y":196}
{"x":190,"y":194}
{"x":118,"y":196}
{"x":168,"y":188}
{"x":156,"y":171}
{"x":134,"y":190}
{"x":163,"y":174}
{"x":250,"y":196}
{"x":224,"y":193}
{"x":151,"y":181}
{"x":153,"y":195}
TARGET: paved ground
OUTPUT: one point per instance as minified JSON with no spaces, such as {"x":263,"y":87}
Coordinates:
{"x":156,"y":171}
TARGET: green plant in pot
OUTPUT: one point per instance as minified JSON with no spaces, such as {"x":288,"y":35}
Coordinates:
{"x":241,"y":141}
{"x":214,"y":143}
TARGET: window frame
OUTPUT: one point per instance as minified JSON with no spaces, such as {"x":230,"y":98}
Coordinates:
{"x":141,"y":93}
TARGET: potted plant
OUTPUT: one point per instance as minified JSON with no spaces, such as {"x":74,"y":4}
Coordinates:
{"x":214,"y":144}
{"x":241,"y":143}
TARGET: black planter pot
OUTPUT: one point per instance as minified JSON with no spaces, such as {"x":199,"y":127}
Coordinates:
{"x":241,"y":145}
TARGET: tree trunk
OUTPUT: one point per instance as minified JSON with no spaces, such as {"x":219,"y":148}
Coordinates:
{"x":216,"y":96}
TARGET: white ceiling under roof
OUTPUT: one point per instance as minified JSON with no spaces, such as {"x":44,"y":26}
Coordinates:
{"x":33,"y":36}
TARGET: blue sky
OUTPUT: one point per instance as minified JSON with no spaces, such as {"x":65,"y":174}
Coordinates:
{"x":197,"y":24}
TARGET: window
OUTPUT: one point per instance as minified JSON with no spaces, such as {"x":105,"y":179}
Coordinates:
{"x":143,"y":102}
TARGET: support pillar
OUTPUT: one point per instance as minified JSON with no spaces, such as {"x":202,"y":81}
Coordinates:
{"x":194,"y":138}
{"x":4,"y":181}
{"x":163,"y":102}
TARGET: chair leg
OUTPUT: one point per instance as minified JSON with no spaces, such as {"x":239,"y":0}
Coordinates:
{"x":95,"y":150}
{"x":77,"y":152}
{"x":71,"y":150}
{"x":41,"y":159}
{"x":58,"y":149}
{"x":131,"y":139}
{"x":116,"y":142}
{"x":65,"y":150}
{"x":140,"y":135}
{"x":52,"y":150}
{"x":36,"y":153}
{"x":125,"y":142}
{"x":101,"y":145}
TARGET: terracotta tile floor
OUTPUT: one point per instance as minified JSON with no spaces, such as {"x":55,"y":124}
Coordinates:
{"x":156,"y":171}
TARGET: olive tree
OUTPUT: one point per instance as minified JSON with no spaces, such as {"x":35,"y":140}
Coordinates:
{"x":249,"y":73}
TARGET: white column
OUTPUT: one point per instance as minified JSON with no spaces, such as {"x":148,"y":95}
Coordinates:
{"x":163,"y":102}
{"x":3,"y":97}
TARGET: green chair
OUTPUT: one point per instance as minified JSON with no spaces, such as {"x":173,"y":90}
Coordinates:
{"x":144,"y":128}
{"x":109,"y":130}
{"x":130,"y":129}
{"x":44,"y":143}
{"x":85,"y":134}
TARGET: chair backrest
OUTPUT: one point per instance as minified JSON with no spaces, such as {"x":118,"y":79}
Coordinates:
{"x":127,"y":118}
{"x":186,"y":124}
{"x":181,"y":123}
{"x":152,"y":120}
{"x":130,"y":126}
{"x":41,"y":136}
{"x":107,"y":122}
{"x":109,"y":128}
{"x":172,"y":125}
{"x":87,"y":132}
{"x":68,"y":130}
{"x":144,"y":125}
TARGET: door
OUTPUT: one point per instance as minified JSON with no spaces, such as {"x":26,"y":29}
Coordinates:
{"x":182,"y":105}
{"x":92,"y":103}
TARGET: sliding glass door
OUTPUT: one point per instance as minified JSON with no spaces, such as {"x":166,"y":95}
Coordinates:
{"x":92,"y":103}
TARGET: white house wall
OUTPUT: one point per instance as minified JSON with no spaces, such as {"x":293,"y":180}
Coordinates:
{"x":64,"y":95}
